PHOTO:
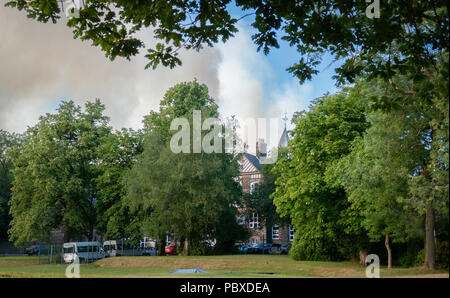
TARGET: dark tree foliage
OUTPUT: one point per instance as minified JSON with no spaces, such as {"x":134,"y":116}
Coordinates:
{"x":7,"y":142}
{"x":407,"y":33}
{"x":118,"y":152}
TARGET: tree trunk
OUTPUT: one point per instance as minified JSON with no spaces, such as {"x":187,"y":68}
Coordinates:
{"x":186,"y":247}
{"x":388,"y":248}
{"x":430,"y":249}
{"x":67,"y":234}
{"x":90,"y":234}
{"x":362,"y":257}
{"x":161,"y":245}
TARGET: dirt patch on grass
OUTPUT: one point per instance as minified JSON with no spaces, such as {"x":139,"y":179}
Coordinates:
{"x":176,"y":263}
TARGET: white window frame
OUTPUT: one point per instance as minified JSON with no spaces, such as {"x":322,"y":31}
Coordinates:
{"x":252,"y":186}
{"x":276,"y":236}
{"x":291,"y":233}
{"x":254,"y":221}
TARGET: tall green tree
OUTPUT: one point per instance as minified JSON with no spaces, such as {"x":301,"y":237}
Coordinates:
{"x":320,"y":212}
{"x":398,"y":172}
{"x":189,"y":195}
{"x":7,"y":142}
{"x":375,"y":176}
{"x":117,"y":153}
{"x":54,"y":174}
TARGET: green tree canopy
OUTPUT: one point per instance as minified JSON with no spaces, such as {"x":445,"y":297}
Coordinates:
{"x":7,"y":142}
{"x":324,"y":221}
{"x":192,"y":196}
{"x":118,"y":152}
{"x":54,"y":174}
{"x":397,"y":173}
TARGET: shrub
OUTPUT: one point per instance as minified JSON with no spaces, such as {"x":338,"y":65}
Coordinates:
{"x":442,"y":252}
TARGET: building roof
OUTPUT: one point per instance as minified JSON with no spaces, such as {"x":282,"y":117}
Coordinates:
{"x":254,"y":160}
{"x":284,"y":139}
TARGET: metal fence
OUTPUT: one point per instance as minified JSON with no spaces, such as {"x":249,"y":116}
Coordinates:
{"x":12,"y":252}
{"x":43,"y":254}
{"x":54,"y":253}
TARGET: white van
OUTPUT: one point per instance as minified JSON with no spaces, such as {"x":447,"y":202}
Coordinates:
{"x":85,"y":251}
{"x":112,"y":248}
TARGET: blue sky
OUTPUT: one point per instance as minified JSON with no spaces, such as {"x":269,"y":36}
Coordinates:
{"x":285,"y":56}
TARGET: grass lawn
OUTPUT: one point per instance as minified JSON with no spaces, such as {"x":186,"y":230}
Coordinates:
{"x":217,"y":266}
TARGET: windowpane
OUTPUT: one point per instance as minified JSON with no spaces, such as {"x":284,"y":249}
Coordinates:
{"x":275,"y":232}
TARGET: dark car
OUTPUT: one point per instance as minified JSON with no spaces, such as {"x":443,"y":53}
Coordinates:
{"x":254,"y":248}
{"x":243,"y":248}
{"x":284,"y":248}
{"x":267,"y":248}
{"x":36,"y":249}
{"x":276,"y":248}
{"x":260,"y":248}
{"x":170,"y":249}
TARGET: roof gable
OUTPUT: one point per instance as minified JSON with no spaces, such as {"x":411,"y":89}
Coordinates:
{"x":250,"y":163}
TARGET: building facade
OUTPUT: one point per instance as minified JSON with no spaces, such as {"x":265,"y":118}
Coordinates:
{"x":250,"y":176}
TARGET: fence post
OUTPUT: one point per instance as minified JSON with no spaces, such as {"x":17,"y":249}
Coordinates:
{"x":39,"y":257}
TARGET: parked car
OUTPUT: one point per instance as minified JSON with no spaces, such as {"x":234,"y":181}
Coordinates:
{"x":150,"y":251}
{"x":260,"y":248}
{"x":85,"y":251}
{"x":266,"y":248}
{"x":284,"y":248}
{"x":253,"y":248}
{"x":170,"y":249}
{"x":35,"y":249}
{"x":276,"y":248}
{"x":243,"y":248}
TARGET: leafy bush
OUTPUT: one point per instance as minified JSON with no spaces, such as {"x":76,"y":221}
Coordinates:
{"x":442,"y":252}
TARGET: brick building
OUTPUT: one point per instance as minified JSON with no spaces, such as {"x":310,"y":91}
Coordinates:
{"x":250,"y":176}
